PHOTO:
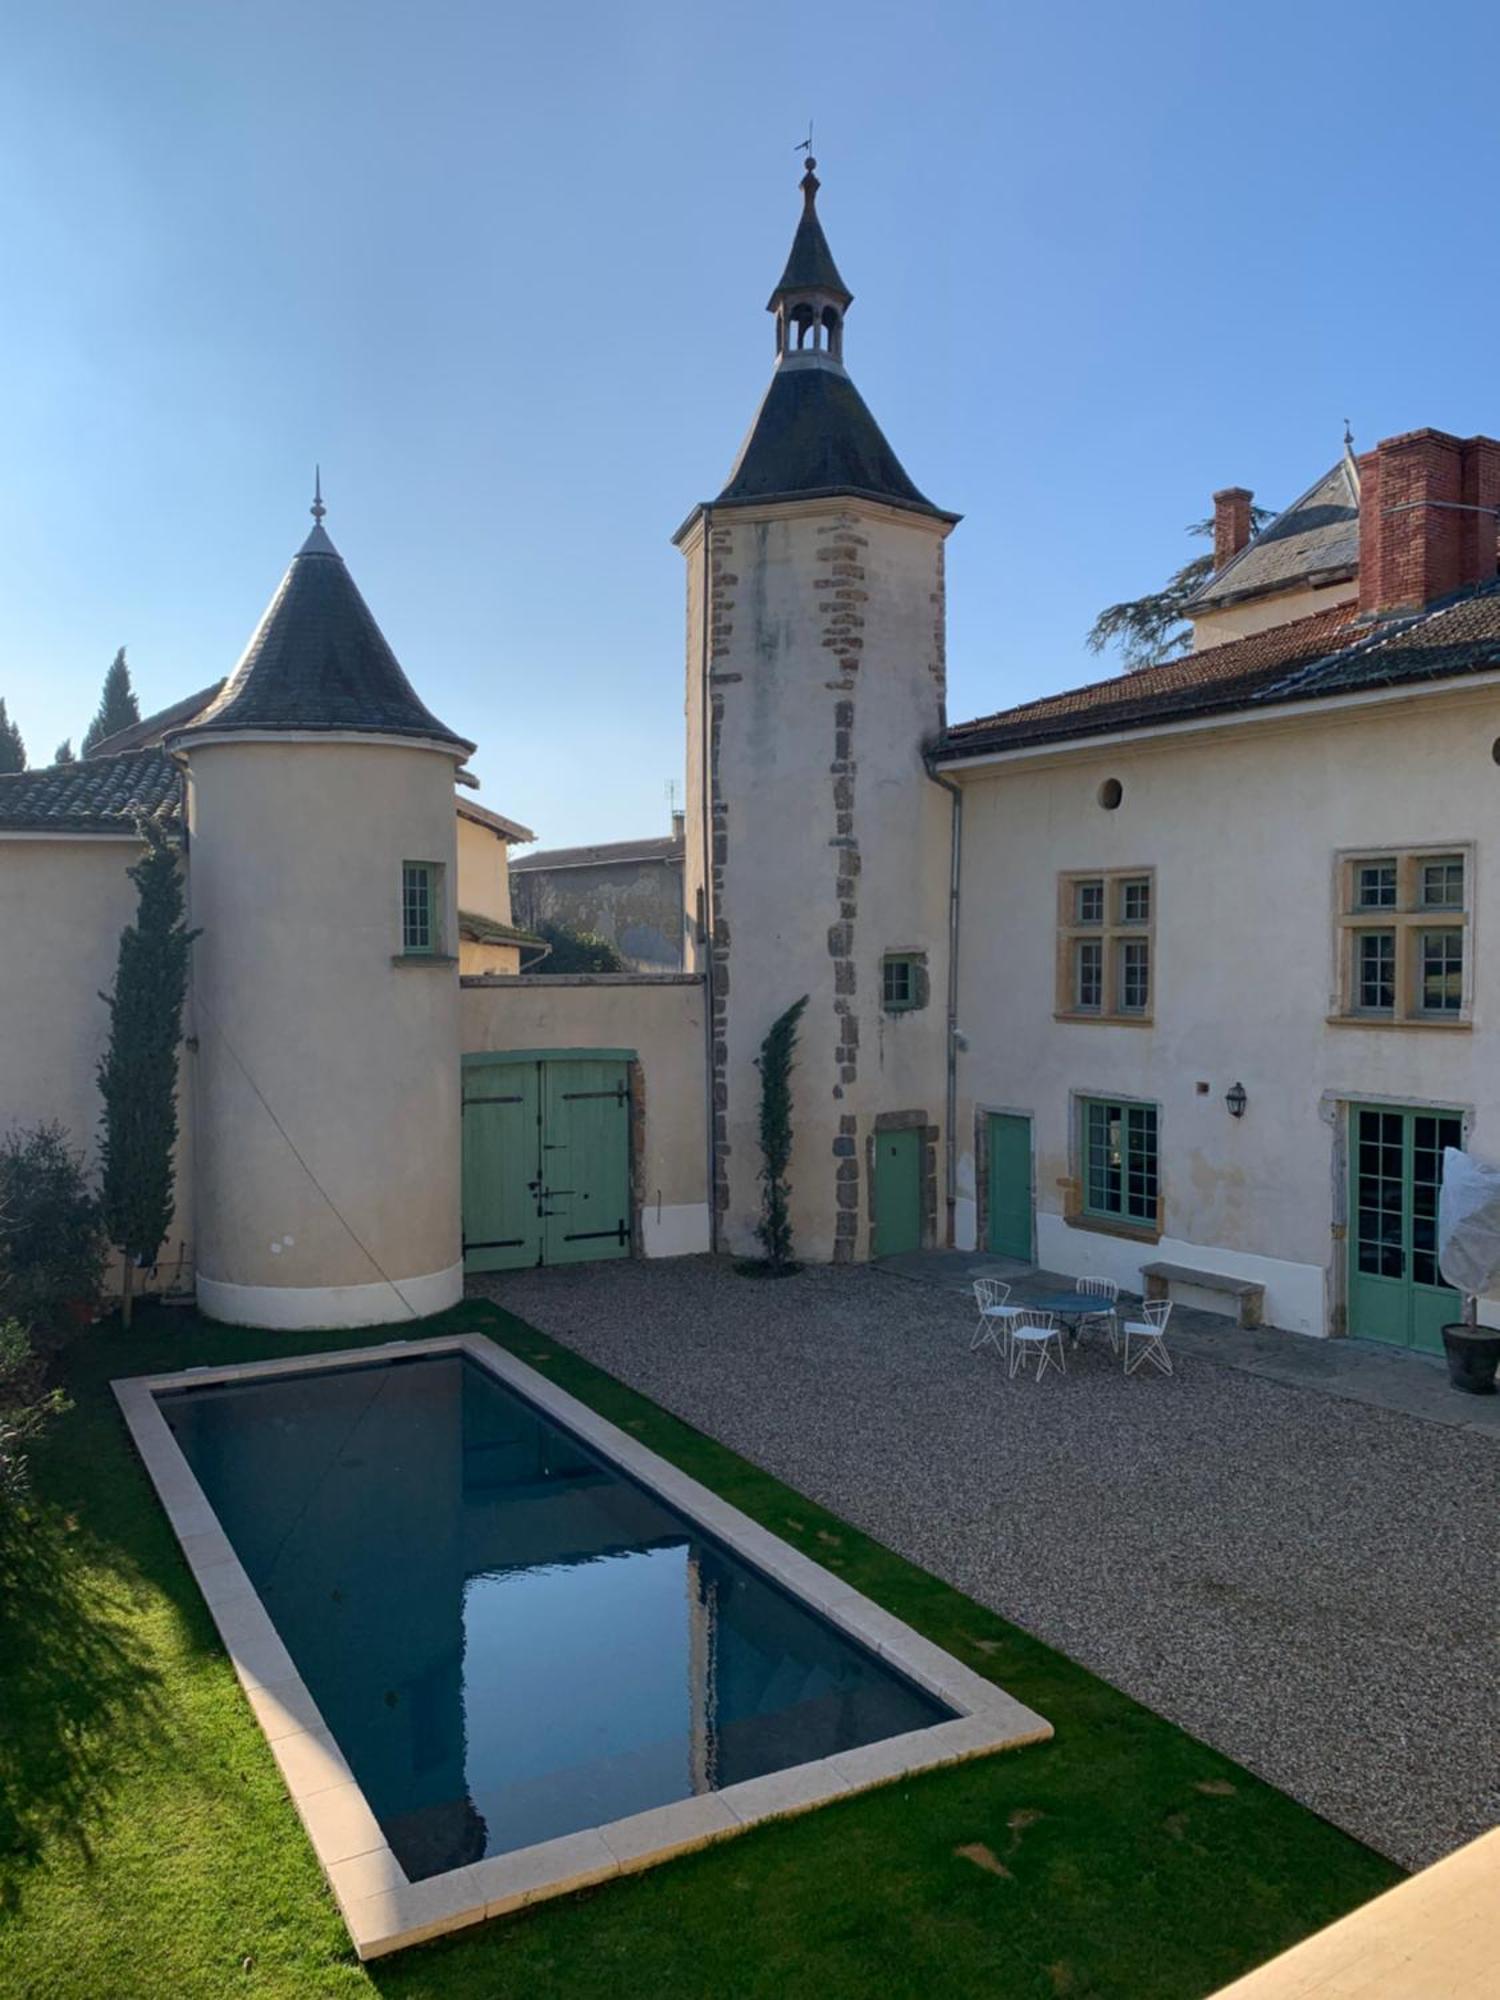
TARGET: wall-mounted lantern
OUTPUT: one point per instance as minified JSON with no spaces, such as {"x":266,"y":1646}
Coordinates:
{"x":1236,"y":1099}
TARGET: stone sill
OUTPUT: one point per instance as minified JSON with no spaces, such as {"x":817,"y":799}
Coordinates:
{"x":1135,"y":1232}
{"x":1107,"y":1020}
{"x":1383,"y":1022}
{"x":532,"y":979}
{"x":422,"y":958}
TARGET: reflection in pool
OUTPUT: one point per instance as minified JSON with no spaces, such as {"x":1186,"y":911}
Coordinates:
{"x":508,"y":1637}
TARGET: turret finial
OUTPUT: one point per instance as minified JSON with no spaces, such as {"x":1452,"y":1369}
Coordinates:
{"x":810,"y":181}
{"x":317,"y":509}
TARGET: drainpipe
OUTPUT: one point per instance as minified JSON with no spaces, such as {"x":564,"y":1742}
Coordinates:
{"x":706,"y":815}
{"x":950,"y":1120}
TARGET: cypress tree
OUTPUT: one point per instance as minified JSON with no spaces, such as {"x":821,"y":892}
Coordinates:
{"x":12,"y":749}
{"x":63,"y":754}
{"x":138,"y":1071}
{"x":118,"y":707}
{"x":775,"y":1065}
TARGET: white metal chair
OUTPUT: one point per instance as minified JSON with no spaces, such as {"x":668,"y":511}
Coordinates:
{"x":1107,"y":1317}
{"x":1150,"y":1336}
{"x":995,"y":1315}
{"x":1037,"y":1333}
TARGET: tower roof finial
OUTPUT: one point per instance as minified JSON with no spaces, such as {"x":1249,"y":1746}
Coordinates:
{"x":317,"y":509}
{"x":810,"y":267}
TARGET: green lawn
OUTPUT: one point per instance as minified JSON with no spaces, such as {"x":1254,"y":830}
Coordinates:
{"x":147,"y":1847}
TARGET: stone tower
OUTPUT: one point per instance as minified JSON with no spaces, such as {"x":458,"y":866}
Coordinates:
{"x":818,"y":848}
{"x":324,"y":1003}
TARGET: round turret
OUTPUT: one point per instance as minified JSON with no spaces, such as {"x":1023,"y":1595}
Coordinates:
{"x":324,"y":1006}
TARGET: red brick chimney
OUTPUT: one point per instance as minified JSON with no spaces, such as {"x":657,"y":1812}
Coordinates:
{"x":1427,"y":524}
{"x":1231,"y":523}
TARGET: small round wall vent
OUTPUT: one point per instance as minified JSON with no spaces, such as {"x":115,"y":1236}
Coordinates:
{"x":1112,"y":791}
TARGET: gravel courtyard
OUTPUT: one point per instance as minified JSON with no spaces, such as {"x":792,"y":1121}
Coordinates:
{"x":1306,"y":1583}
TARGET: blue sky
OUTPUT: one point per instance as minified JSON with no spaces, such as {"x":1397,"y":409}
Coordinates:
{"x":502,"y":269}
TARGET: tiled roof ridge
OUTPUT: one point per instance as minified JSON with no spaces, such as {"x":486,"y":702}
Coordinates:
{"x":1145,"y":681}
{"x":1384,"y":633}
{"x":93,"y":795}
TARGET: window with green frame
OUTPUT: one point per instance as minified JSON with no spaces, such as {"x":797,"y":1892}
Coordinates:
{"x":900,"y":984}
{"x":1119,"y":1177}
{"x":421,"y":908}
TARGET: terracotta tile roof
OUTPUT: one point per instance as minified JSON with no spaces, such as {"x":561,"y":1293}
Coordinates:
{"x":1219,"y":677}
{"x":96,"y":795}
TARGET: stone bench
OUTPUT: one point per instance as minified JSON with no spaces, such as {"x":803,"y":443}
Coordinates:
{"x":1249,"y":1297}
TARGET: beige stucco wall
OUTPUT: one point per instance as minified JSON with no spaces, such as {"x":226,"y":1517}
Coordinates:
{"x":483,"y":871}
{"x":63,"y":905}
{"x":1242,"y":826}
{"x":660,"y":1019}
{"x":475,"y":959}
{"x":328,"y":1078}
{"x":818,"y":606}
{"x":1261,"y":614}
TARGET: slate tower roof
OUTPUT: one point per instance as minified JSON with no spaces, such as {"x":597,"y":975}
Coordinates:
{"x":318,"y":662}
{"x":813,"y":434}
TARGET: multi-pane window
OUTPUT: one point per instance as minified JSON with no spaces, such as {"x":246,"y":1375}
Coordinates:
{"x":1088,"y":901}
{"x":1104,"y":945}
{"x":1119,"y":1161}
{"x":1399,"y":964}
{"x":1377,"y":971}
{"x":901,"y":980}
{"x":1133,"y":986}
{"x":1375,"y":885}
{"x":421,"y":907}
{"x":1442,"y":972}
{"x":1088,"y":975}
{"x":1135,"y":901}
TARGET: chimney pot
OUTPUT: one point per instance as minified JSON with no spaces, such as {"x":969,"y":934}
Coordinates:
{"x":1231,"y":523}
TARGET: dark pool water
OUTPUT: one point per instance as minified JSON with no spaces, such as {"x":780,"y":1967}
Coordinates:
{"x":508,"y":1637}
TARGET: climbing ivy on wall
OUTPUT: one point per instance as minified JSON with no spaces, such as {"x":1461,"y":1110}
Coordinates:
{"x":775,"y":1065}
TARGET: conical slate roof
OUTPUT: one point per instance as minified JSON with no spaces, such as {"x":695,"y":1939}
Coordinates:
{"x":810,"y":266}
{"x":814,"y":434}
{"x":319,"y":662}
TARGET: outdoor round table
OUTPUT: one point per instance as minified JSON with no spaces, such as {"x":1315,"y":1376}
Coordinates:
{"x":1071,"y":1307}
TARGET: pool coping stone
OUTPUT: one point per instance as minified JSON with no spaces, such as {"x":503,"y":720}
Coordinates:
{"x":384,"y":1909}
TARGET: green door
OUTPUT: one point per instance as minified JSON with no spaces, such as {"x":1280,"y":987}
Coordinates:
{"x":501,"y":1167}
{"x":585,"y":1161}
{"x":546,"y":1159}
{"x":1009,"y":1231}
{"x":898,"y":1192}
{"x":1396,"y":1168}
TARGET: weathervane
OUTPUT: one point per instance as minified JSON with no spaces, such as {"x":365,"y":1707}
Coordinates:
{"x":317,"y":509}
{"x":1348,"y":436}
{"x":805,"y":145}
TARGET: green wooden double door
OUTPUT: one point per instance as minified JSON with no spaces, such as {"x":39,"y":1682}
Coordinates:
{"x":546,"y":1159}
{"x":1396,"y":1292}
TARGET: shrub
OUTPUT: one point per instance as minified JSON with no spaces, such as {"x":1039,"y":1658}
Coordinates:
{"x":51,"y":1236}
{"x":577,"y":951}
{"x":26,"y":1407}
{"x":775,"y":1065}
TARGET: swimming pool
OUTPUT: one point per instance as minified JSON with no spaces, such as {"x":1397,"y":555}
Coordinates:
{"x":501,"y":1650}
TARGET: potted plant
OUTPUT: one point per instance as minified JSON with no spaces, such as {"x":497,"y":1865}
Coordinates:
{"x":1473,"y":1351}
